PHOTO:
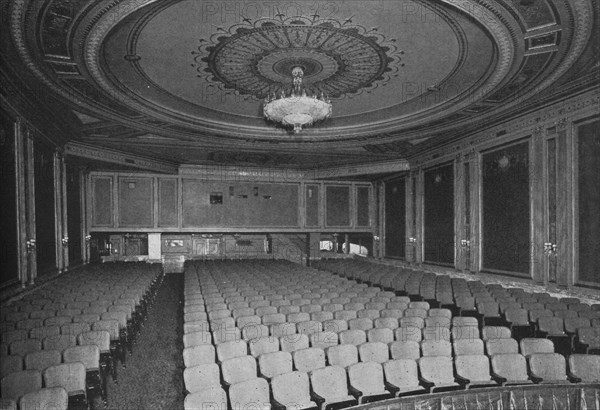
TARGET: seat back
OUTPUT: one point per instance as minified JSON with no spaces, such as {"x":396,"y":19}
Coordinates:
{"x":437,"y":369}
{"x":55,"y":398}
{"x":282,"y":329}
{"x":436,"y":348}
{"x":11,"y":364}
{"x":386,"y":322}
{"x":100,"y":338}
{"x":366,"y":377}
{"x":200,"y":354}
{"x":355,"y":337}
{"x":335,"y":325}
{"x":216,"y":396}
{"x":512,"y":367}
{"x":197,"y":339}
{"x":309,"y":327}
{"x":401,"y":372}
{"x":272,"y":364}
{"x":202,"y":377}
{"x":468,"y":347}
{"x":262,"y":345}
{"x":293,"y":342}
{"x":70,"y":376}
{"x":531,"y":345}
{"x":495,"y":332}
{"x":548,"y":366}
{"x":408,"y":349}
{"x":501,"y":346}
{"x":306,"y":360}
{"x":586,"y":367}
{"x":16,"y":384}
{"x":42,"y":359}
{"x":476,"y":368}
{"x":383,"y":334}
{"x":404,"y":334}
{"x":324,"y":340}
{"x":253,"y":393}
{"x":342,"y":355}
{"x":254,"y":331}
{"x":291,"y":389}
{"x":22,"y":347}
{"x":330,"y":382}
{"x":231,"y":349}
{"x":89,"y":355}
{"x":373,"y":352}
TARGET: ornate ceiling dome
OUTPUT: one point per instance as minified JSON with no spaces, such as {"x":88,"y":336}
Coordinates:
{"x":194,"y":72}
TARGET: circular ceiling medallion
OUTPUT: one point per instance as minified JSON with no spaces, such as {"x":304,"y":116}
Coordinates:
{"x":256,"y":58}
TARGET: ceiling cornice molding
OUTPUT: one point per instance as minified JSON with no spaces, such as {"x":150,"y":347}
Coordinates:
{"x":115,"y":157}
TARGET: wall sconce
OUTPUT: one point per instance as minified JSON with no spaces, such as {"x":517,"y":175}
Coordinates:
{"x":550,"y":248}
{"x":31,"y":245}
{"x":65,"y":241}
{"x":375,"y":237}
{"x":412,"y":240}
{"x":465,"y":243}
{"x":88,"y":238}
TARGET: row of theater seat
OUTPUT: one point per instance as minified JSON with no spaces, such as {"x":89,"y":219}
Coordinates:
{"x":227,"y":329}
{"x":64,"y":339}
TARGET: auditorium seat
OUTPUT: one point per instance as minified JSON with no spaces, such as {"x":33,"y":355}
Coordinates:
{"x":495,"y":332}
{"x":401,"y":377}
{"x":253,"y":393}
{"x":355,"y":337}
{"x":330,"y":386}
{"x":377,"y":352}
{"x":367,"y":382}
{"x":324,"y":339}
{"x":342,"y":355}
{"x":293,"y":342}
{"x":408,"y":333}
{"x":41,"y":359}
{"x":436,"y":348}
{"x":501,"y":346}
{"x":386,"y":322}
{"x":55,"y":398}
{"x":89,"y":355}
{"x":308,"y":327}
{"x":510,"y":369}
{"x":16,"y":384}
{"x":22,"y":347}
{"x":548,"y":368}
{"x":384,"y":335}
{"x":292,"y":390}
{"x":198,"y":354}
{"x":272,"y":364}
{"x":529,"y":346}
{"x":71,"y":377}
{"x":254,"y":331}
{"x":584,"y":368}
{"x":474,"y":370}
{"x":231,"y":349}
{"x":437,"y":373}
{"x":463,"y":347}
{"x":216,"y":396}
{"x":309,"y":359}
{"x":202,"y":377}
{"x":588,"y":340}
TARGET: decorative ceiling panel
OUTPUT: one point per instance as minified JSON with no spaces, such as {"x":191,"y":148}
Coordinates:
{"x":173,"y":75}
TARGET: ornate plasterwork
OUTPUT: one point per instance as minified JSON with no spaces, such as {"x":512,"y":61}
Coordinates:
{"x":256,"y":57}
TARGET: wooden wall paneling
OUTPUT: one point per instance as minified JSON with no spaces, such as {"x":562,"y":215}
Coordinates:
{"x":550,"y":194}
{"x":312,"y":206}
{"x":460,"y":250}
{"x":167,"y":203}
{"x":539,"y":258}
{"x":474,"y":212}
{"x":22,"y":205}
{"x":87,"y":217}
{"x":136,"y":201}
{"x":102,"y":198}
{"x":363,"y":206}
{"x":338,"y":206}
{"x":155,"y":198}
{"x":59,"y":215}
{"x":410,"y":219}
{"x":30,"y":198}
{"x":585,"y":200}
{"x":301,"y":205}
{"x":419,"y":202}
{"x":564,"y":210}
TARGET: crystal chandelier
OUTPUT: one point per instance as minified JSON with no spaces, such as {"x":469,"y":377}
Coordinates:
{"x":297,"y":109}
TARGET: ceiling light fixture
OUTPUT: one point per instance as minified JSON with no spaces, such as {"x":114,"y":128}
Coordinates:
{"x":297,"y":109}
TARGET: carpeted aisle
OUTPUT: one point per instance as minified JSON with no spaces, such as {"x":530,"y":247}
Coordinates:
{"x":153,"y":378}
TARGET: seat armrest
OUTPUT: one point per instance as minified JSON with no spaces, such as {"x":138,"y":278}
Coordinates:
{"x":463,"y":381}
{"x":426,"y":383}
{"x":392,"y":388}
{"x":354,"y":392}
{"x":316,"y":398}
{"x":501,"y":380}
{"x":573,"y":379}
{"x":536,"y":379}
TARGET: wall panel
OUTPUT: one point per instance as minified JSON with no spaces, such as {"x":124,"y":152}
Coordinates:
{"x":438,"y":218}
{"x":45,"y":228}
{"x":363,"y":211}
{"x":135,"y":202}
{"x":506,"y":209}
{"x":8,"y":203}
{"x":312,"y":205}
{"x":395,"y":218}
{"x":337,"y":209}
{"x":588,"y":141}
{"x":102,"y":201}
{"x":167,"y":202}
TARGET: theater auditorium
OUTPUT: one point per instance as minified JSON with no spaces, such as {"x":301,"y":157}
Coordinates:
{"x":248,"y":204}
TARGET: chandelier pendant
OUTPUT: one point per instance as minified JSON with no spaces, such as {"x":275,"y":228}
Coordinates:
{"x":297,"y":110}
